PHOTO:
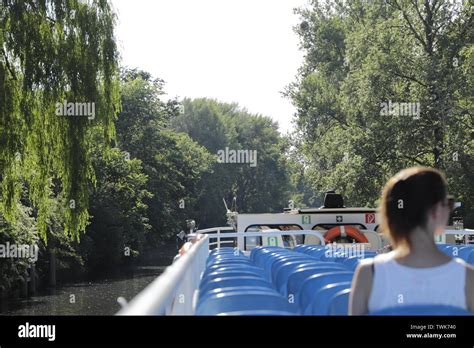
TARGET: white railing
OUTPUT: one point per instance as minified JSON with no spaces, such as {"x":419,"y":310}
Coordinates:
{"x":172,"y":293}
{"x":215,"y":229}
{"x":463,"y":232}
{"x":216,"y":233}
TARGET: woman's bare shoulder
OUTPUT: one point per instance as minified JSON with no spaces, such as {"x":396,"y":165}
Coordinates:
{"x":364,"y":269}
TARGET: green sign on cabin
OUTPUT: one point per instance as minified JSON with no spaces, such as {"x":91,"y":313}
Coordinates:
{"x":306,"y":219}
{"x":272,"y":241}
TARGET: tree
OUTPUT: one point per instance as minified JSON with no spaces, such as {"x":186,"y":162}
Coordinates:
{"x":117,"y":233}
{"x":54,"y":52}
{"x":173,"y":162}
{"x":23,"y":232}
{"x":263,"y":186}
{"x":203,"y":121}
{"x":363,"y":55}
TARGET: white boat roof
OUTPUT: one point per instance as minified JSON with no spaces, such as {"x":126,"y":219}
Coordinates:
{"x":321,"y":211}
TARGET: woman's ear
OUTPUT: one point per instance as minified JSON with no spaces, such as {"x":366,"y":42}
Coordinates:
{"x":433,"y":212}
{"x":440,"y":212}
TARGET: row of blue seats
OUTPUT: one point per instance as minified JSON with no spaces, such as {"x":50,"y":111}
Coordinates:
{"x":233,"y":285}
{"x":276,"y":281}
{"x":232,"y":277}
{"x":465,"y":252}
{"x":327,"y":254}
{"x":316,"y":282}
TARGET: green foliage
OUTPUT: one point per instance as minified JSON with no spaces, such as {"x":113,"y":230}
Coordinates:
{"x":51,"y":52}
{"x":361,"y":54}
{"x":173,"y":162}
{"x":119,"y":222}
{"x":60,"y":175}
{"x":13,"y":270}
{"x":261,"y":188}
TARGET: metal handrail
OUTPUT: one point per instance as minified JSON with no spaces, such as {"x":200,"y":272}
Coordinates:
{"x":222,"y":242}
{"x":276,"y":232}
{"x":465,"y":231}
{"x":214,"y":229}
{"x":173,"y":291}
{"x":263,"y":233}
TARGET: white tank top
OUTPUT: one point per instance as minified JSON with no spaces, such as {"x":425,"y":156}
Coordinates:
{"x":395,"y":284}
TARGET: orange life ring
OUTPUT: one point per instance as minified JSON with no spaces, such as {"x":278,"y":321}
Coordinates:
{"x":350,"y":231}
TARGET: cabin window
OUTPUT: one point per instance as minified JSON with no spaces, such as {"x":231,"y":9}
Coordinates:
{"x":288,"y":241}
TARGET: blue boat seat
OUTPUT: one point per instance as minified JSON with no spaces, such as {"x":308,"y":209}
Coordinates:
{"x":316,"y":282}
{"x":302,"y":247}
{"x":228,"y":267}
{"x":315,"y":253}
{"x":261,"y":259}
{"x":231,"y":273}
{"x":352,"y":262}
{"x":223,"y":276}
{"x":278,"y":263}
{"x":284,"y":273}
{"x":233,"y":282}
{"x":245,"y":301}
{"x":227,"y":255}
{"x":230,"y":261}
{"x":297,"y":278}
{"x":268,"y":266}
{"x":261,"y":249}
{"x":339,"y":303}
{"x":320,"y":302}
{"x":466,"y":253}
{"x":289,"y":266}
{"x":239,"y":289}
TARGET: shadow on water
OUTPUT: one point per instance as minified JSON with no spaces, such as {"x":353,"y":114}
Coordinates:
{"x":85,"y":298}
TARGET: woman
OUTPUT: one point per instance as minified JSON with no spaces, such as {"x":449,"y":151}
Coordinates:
{"x":414,"y":208}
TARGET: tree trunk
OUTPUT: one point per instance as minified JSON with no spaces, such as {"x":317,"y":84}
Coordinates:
{"x":32,"y":288}
{"x":52,"y":267}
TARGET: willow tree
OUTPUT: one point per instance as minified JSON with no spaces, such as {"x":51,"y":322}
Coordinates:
{"x":54,"y":51}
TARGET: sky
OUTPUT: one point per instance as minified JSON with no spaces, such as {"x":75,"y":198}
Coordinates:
{"x":242,"y":51}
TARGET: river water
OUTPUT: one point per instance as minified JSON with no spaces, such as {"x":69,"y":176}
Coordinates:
{"x":88,"y":298}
